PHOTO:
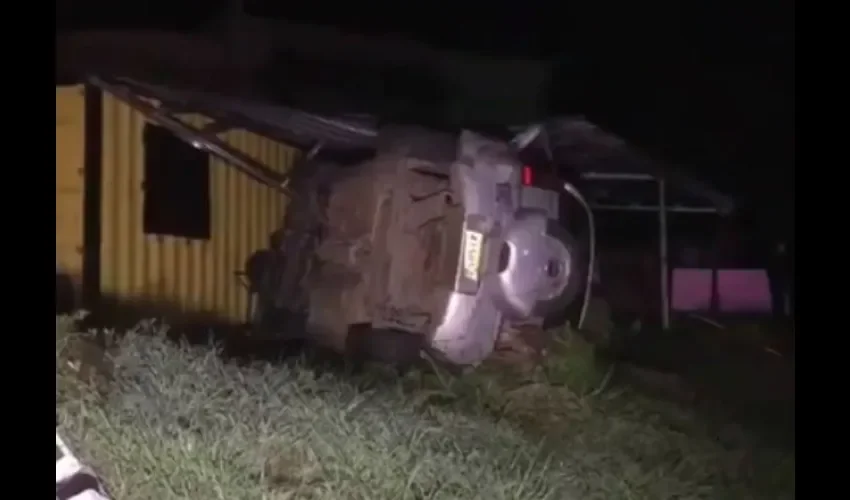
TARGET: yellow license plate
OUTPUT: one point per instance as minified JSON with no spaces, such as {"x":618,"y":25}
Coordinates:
{"x":473,"y":242}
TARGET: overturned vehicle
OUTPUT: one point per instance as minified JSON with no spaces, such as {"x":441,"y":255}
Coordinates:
{"x":438,"y":242}
{"x":400,"y":239}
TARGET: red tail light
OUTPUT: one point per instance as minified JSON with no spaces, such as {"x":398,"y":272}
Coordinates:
{"x":527,"y":176}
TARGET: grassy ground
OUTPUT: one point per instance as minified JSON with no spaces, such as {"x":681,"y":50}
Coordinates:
{"x":160,"y":420}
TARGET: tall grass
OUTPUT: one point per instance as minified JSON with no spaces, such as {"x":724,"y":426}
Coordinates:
{"x":164,"y":421}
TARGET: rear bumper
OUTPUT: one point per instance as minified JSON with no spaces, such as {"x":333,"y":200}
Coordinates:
{"x":508,"y":240}
{"x":469,"y":328}
{"x":506,"y":286}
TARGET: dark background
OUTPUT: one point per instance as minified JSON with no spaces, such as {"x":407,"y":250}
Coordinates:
{"x":709,"y":86}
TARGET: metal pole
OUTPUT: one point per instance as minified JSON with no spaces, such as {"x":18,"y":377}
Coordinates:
{"x":662,"y":253}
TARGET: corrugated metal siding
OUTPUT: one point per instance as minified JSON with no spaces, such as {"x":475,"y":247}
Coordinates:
{"x":176,"y":276}
{"x":70,"y":122}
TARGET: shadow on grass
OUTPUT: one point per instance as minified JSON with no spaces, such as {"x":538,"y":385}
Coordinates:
{"x":735,"y":373}
{"x":237,"y":342}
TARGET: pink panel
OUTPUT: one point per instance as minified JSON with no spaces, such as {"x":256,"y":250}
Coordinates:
{"x":744,"y":290}
{"x":691,"y":290}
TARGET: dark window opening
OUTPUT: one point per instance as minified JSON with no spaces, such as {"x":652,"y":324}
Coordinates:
{"x":177,"y":186}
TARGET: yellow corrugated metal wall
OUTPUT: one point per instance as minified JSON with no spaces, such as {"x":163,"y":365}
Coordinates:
{"x":70,"y":109}
{"x":191,"y":278}
{"x":185,"y":279}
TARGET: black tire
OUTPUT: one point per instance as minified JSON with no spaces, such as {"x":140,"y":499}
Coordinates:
{"x":577,"y":272}
{"x":567,"y":305}
{"x":65,"y":294}
{"x":383,"y":345}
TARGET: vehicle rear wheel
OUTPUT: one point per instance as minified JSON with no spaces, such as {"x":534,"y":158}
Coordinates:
{"x":365,"y":344}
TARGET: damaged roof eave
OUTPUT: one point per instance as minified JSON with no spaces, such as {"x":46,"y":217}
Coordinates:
{"x":293,"y":126}
{"x":573,"y":140}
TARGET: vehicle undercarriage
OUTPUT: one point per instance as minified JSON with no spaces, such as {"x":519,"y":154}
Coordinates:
{"x":374,"y":255}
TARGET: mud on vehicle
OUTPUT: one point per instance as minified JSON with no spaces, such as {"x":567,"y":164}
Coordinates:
{"x":438,"y":241}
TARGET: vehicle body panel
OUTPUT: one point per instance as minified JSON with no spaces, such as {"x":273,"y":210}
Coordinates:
{"x":415,"y":241}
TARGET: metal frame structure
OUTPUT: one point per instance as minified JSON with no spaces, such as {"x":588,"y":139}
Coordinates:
{"x":662,"y":209}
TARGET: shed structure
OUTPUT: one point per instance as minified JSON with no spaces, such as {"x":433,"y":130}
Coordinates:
{"x":149,"y":223}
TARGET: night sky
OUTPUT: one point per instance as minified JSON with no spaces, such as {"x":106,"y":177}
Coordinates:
{"x":708,"y":85}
